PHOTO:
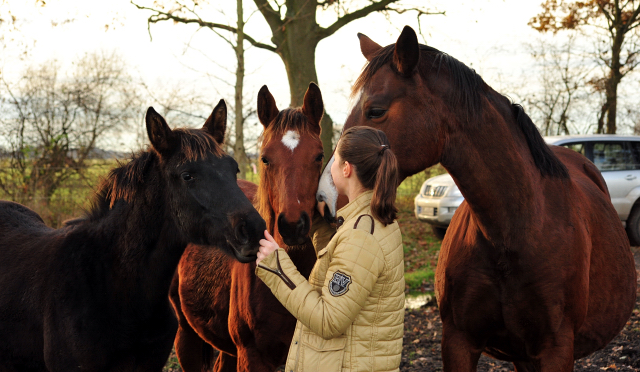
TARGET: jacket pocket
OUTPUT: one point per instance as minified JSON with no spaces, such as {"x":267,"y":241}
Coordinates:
{"x":320,"y":355}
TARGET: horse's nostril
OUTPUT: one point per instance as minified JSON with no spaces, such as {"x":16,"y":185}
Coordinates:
{"x":302,"y":227}
{"x":321,"y":196}
{"x":241,"y":233}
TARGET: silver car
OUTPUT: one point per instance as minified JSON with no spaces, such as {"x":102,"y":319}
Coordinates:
{"x":617,"y":157}
{"x":437,"y":201}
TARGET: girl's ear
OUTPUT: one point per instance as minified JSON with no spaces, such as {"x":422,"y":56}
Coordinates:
{"x":347,"y":169}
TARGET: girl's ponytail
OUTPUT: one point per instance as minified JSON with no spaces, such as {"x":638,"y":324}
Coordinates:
{"x":376,"y":167}
{"x":384,"y":190}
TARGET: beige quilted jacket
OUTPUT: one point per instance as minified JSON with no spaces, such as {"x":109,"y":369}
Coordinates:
{"x":351,"y":311}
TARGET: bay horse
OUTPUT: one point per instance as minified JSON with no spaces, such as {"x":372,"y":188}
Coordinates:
{"x":92,"y":296}
{"x":223,"y":304}
{"x":535,"y":268}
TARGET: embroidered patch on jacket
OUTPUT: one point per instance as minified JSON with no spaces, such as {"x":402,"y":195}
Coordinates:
{"x":339,"y":284}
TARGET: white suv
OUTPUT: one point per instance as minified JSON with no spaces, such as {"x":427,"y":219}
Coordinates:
{"x":438,"y":199}
{"x":617,"y":157}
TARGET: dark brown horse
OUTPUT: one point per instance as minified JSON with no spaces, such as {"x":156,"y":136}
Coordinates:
{"x":535,"y":267}
{"x":92,"y":296}
{"x":222,"y":303}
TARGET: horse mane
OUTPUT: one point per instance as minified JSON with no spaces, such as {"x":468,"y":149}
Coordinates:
{"x":127,"y":179}
{"x":468,"y":93}
{"x":286,"y":120}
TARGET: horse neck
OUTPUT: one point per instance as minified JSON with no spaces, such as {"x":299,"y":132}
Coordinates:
{"x":304,"y":257}
{"x":494,"y":169}
{"x":144,"y":241}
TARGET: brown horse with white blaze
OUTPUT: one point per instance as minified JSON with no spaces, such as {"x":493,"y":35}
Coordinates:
{"x":221,"y":303}
{"x":535,"y":267}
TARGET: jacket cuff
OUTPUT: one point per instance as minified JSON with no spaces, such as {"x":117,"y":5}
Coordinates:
{"x":277,"y":269}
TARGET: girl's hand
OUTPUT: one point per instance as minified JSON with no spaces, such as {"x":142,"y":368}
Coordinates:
{"x":320,"y":207}
{"x":267,"y":246}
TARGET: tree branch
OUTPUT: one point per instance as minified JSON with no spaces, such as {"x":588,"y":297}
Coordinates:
{"x":360,"y":13}
{"x":606,"y":15}
{"x":632,"y":19}
{"x":382,"y":5}
{"x":160,"y":16}
{"x":271,"y":15}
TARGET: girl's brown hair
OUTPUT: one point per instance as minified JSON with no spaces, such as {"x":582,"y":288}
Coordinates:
{"x":376,"y":166}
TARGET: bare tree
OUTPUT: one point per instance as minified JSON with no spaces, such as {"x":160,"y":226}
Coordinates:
{"x":614,"y":24}
{"x":52,"y":123}
{"x":240,"y":116}
{"x":563,"y":81}
{"x":295,"y":33}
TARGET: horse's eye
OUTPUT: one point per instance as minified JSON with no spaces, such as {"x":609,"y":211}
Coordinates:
{"x":265,"y":161}
{"x":186,"y":176}
{"x":320,"y":157}
{"x":376,"y":113}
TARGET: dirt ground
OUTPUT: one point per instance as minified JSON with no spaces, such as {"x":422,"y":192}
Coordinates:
{"x":423,"y":333}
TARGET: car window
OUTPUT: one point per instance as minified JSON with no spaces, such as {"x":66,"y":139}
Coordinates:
{"x":635,"y":154}
{"x":578,"y":147}
{"x":611,"y":156}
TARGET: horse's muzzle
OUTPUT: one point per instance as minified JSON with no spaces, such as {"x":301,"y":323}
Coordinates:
{"x":295,"y":233}
{"x":248,"y":229}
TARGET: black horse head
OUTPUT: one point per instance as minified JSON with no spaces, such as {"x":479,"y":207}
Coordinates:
{"x":201,"y":186}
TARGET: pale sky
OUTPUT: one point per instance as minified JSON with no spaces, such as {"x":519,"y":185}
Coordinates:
{"x":487,"y":35}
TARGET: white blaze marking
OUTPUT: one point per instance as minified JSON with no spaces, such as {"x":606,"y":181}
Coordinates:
{"x":291,"y":139}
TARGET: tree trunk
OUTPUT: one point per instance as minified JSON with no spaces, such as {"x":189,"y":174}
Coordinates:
{"x":613,"y":80}
{"x":613,"y":108}
{"x":297,"y":44}
{"x":238,"y":148}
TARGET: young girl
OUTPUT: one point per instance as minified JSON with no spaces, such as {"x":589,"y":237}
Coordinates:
{"x":351,"y":310}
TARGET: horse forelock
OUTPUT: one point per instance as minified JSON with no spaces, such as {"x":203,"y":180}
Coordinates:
{"x":468,"y":92}
{"x":196,"y":144}
{"x":290,"y":119}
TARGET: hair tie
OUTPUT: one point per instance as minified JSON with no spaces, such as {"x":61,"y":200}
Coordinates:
{"x":383,"y":147}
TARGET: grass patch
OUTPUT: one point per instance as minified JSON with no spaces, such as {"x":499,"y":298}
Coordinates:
{"x":421,"y":246}
{"x":417,"y":280}
{"x":172,"y":363}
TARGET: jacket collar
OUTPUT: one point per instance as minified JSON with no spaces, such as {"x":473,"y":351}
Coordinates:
{"x":356,"y":207}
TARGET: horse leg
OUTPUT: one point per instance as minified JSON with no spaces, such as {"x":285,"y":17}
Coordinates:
{"x":225,"y":363}
{"x":559,"y":357}
{"x":458,"y":354}
{"x":194,"y":354}
{"x":250,"y":360}
{"x":556,"y":356}
{"x":524,"y":367}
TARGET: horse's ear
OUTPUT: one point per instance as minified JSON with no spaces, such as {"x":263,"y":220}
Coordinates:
{"x":313,"y":107}
{"x":407,"y":52}
{"x":368,"y":47}
{"x":267,"y":110}
{"x":216,"y":124}
{"x":161,"y":136}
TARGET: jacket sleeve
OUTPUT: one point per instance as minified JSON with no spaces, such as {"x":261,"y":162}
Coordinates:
{"x":357,"y":262}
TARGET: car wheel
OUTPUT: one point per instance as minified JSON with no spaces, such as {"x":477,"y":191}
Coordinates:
{"x":439,"y":231}
{"x":633,"y":226}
